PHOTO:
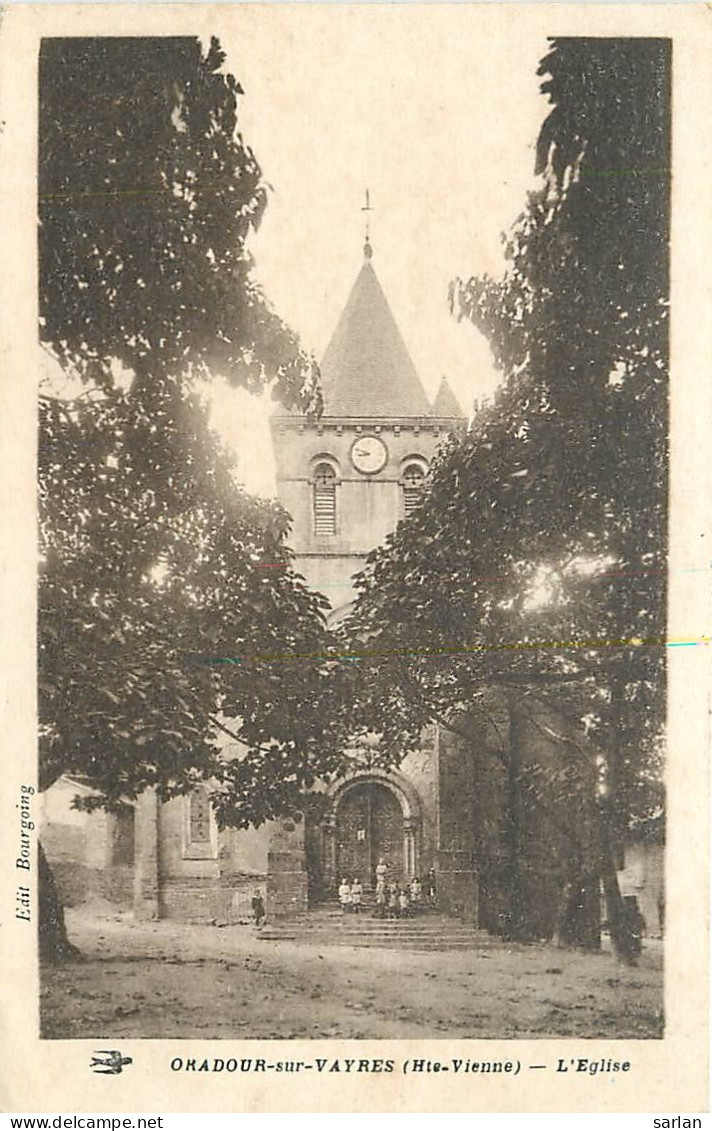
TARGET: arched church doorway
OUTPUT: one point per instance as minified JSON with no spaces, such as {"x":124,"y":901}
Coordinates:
{"x":369,"y":827}
{"x":369,"y":816}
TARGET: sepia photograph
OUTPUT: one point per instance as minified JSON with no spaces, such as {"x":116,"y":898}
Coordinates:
{"x":355,"y":640}
{"x":353,"y":538}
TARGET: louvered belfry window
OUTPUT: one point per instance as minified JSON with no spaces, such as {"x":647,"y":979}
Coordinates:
{"x":413,"y":477}
{"x":324,"y":499}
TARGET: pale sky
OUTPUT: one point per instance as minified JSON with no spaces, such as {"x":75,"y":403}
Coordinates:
{"x":437,"y":113}
{"x":434,"y":108}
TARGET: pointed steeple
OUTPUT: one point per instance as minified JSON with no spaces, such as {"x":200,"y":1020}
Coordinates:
{"x":367,"y":249}
{"x":446,"y":405}
{"x":367,"y":370}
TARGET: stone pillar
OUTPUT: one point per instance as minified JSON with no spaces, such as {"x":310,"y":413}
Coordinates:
{"x":329,"y":854}
{"x":458,"y":885}
{"x":410,"y":847}
{"x":471,"y":897}
{"x":287,"y":888}
{"x":146,"y":862}
{"x":457,"y":878}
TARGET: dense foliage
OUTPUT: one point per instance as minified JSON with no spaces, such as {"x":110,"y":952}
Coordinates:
{"x":148,"y":194}
{"x":171,"y":620}
{"x":537,"y":559}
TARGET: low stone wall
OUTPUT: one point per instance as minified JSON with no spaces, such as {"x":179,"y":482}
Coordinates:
{"x":80,"y":884}
{"x":226,"y":899}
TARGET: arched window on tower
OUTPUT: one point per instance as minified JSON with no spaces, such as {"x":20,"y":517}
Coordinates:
{"x":412,"y":481}
{"x":324,"y":499}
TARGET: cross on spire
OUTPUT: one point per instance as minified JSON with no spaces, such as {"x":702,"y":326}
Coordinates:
{"x":367,"y":249}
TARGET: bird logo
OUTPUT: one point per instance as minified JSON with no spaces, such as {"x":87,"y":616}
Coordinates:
{"x":109,"y":1061}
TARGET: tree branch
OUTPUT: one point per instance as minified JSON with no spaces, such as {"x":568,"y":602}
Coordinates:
{"x":231,"y":734}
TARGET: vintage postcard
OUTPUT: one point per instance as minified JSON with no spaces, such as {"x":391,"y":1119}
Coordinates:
{"x":355,"y":557}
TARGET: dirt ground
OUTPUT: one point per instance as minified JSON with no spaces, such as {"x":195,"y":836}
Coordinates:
{"x":173,"y":980}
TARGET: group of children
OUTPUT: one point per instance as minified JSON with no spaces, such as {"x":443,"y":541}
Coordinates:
{"x":393,"y":900}
{"x":398,"y":901}
{"x":351,"y":895}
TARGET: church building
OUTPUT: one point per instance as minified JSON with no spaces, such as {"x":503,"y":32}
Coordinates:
{"x":347,"y":479}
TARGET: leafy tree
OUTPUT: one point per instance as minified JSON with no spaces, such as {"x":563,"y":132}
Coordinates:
{"x":169,"y":611}
{"x":157,"y":624}
{"x":148,"y":194}
{"x":537,"y":560}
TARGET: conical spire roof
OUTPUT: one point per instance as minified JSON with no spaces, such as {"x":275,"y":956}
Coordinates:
{"x":446,"y":405}
{"x":367,"y":370}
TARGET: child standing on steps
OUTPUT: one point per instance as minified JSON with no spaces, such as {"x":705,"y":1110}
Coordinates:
{"x":381,"y":896}
{"x":393,"y":901}
{"x":416,"y":893}
{"x":345,"y":895}
{"x":431,"y":889}
{"x":356,"y":894}
{"x":258,"y":909}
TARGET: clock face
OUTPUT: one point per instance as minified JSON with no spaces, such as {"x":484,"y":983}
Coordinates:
{"x":369,"y":454}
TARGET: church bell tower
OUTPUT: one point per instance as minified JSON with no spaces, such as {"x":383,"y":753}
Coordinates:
{"x":348,"y":478}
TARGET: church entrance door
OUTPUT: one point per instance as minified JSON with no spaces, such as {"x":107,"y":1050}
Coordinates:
{"x":369,"y":826}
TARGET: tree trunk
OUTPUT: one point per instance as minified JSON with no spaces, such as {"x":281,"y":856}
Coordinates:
{"x":578,"y":918}
{"x":619,"y":923}
{"x":622,"y":929}
{"x":516,"y":924}
{"x":54,"y":944}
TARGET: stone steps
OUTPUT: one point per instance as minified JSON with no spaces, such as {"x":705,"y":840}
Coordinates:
{"x":389,"y":942}
{"x":331,"y":927}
